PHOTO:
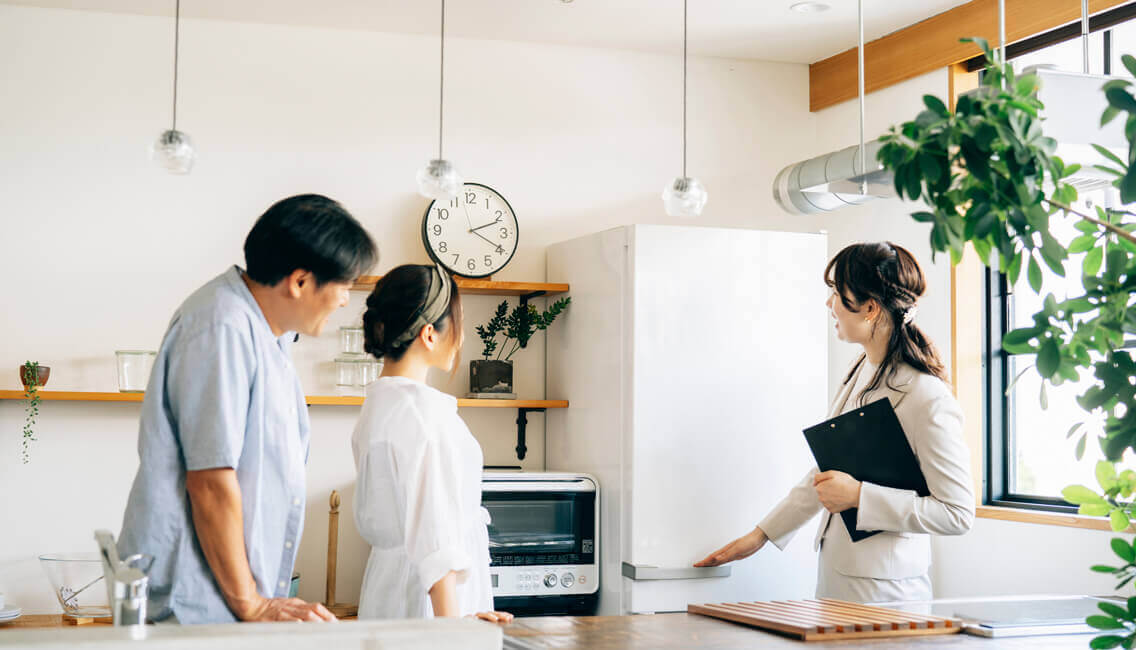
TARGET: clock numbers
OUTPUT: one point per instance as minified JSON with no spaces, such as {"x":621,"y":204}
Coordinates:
{"x":480,"y":239}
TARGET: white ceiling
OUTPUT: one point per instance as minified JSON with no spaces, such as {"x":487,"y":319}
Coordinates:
{"x":747,"y":29}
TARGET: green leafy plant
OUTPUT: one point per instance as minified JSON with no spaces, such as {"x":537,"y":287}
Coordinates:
{"x":30,"y":371}
{"x":989,"y":177}
{"x":517,"y":326}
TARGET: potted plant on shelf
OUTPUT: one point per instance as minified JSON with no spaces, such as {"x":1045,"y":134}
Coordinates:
{"x":493,"y":377}
{"x":32,"y":376}
{"x":990,"y":178}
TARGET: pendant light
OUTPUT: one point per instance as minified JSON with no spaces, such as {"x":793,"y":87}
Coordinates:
{"x":684,"y":196}
{"x":173,"y":149}
{"x":439,"y":180}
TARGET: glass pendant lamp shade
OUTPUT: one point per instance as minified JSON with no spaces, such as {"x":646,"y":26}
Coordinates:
{"x":174,"y":152}
{"x":439,"y":180}
{"x":684,"y":197}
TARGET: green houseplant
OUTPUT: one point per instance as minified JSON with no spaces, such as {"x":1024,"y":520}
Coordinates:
{"x":494,"y":375}
{"x":32,"y":376}
{"x":989,"y":177}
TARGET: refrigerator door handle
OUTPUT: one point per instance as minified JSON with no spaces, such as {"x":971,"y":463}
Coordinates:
{"x":644,"y":572}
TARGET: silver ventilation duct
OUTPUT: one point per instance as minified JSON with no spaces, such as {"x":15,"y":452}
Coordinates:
{"x":1072,"y":100}
{"x":832,"y":181}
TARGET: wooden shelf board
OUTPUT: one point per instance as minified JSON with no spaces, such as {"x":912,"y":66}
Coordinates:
{"x":317,"y":400}
{"x":483,"y":287}
{"x":74,"y":396}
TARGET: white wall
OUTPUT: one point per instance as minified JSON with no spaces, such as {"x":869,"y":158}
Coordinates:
{"x":99,"y":247}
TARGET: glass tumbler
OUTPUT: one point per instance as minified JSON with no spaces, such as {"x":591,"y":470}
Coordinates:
{"x":134,"y":369}
{"x":351,"y":340}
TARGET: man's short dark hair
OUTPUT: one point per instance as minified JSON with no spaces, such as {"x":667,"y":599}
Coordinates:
{"x":309,"y":232}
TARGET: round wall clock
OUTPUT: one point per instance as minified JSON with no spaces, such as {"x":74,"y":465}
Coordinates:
{"x":473,"y":235}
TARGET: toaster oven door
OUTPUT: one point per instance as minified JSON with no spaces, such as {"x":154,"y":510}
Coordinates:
{"x":541,"y":528}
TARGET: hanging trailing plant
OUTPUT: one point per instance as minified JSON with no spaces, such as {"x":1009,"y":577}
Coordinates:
{"x":989,"y":177}
{"x":31,"y":371}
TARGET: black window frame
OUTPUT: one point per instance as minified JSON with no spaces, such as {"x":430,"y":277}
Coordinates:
{"x":997,"y":294}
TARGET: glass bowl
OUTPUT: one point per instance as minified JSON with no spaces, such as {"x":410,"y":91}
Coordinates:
{"x":77,"y":581}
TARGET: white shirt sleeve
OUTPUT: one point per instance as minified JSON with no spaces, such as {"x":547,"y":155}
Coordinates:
{"x":433,"y":531}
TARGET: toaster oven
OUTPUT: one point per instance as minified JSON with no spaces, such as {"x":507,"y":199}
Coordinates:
{"x":543,"y":541}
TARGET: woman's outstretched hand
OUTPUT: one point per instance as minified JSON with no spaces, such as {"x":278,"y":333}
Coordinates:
{"x":502,"y":618}
{"x":739,"y":549}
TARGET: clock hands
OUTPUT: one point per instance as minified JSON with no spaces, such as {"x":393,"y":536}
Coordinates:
{"x":467,"y":219}
{"x":491,"y":223}
{"x":495,"y":245}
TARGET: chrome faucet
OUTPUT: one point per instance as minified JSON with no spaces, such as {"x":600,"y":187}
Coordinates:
{"x":127,"y":583}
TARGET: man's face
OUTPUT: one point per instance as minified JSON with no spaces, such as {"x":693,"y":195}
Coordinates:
{"x":316,"y":304}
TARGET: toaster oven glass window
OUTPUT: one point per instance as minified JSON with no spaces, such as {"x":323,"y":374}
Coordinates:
{"x":541,"y":528}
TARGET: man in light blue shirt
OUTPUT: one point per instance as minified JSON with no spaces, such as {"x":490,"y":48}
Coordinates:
{"x":219,"y":497}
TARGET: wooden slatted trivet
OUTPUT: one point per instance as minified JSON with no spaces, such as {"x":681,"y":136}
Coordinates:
{"x":828,"y":619}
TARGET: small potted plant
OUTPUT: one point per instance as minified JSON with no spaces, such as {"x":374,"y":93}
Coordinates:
{"x":493,"y":376}
{"x":32,"y":376}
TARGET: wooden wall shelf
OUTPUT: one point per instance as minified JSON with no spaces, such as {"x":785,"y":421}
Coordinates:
{"x":314,"y":400}
{"x":485,"y":287}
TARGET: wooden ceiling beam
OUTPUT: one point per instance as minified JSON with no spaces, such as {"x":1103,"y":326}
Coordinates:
{"x":934,"y":44}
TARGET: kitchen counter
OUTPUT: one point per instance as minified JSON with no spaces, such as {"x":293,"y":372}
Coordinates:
{"x":436,"y":634}
{"x":663,"y":631}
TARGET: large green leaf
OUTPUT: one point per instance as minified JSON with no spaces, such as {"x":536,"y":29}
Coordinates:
{"x":1123,"y":550}
{"x":1105,"y":642}
{"x":1081,"y":495}
{"x":1048,"y":357}
{"x":935,"y":105}
{"x":1104,"y":623}
{"x":1115,"y":611}
{"x":1128,"y":186}
{"x":1121,"y":99}
{"x":1034,"y":274}
{"x":1093,"y":261}
{"x":1118,"y":520}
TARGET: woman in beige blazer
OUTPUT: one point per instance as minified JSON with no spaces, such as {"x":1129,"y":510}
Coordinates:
{"x":875,"y":288}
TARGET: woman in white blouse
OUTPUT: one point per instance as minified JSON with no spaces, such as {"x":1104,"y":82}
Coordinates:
{"x":874,"y":290}
{"x":418,"y":488}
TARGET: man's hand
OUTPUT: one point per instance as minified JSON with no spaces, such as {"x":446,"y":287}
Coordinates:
{"x":740,"y":548}
{"x":837,"y":491}
{"x":218,"y":522}
{"x":285,"y":609}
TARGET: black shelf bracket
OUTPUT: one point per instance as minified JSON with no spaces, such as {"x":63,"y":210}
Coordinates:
{"x":522,"y":424}
{"x":526,"y":297}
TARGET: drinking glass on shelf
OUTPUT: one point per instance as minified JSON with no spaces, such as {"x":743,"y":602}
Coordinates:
{"x":134,"y":369}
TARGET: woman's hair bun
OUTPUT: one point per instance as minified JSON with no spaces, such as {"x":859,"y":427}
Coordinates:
{"x":374,"y":334}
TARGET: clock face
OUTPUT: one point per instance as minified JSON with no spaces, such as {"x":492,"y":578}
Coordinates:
{"x":474,"y":235}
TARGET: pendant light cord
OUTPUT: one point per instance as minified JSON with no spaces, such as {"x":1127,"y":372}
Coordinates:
{"x":441,"y":80}
{"x":177,"y":29}
{"x":684,"y":88}
{"x":860,"y":84}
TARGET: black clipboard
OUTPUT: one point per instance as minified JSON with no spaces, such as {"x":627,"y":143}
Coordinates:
{"x":869,"y":444}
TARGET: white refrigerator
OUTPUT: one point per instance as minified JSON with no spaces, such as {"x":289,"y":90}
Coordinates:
{"x":692,"y":359}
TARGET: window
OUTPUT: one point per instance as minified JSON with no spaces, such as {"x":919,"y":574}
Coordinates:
{"x":1029,"y":458}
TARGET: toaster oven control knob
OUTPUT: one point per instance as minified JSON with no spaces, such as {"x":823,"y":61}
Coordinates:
{"x":567,"y":579}
{"x":550,"y":580}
